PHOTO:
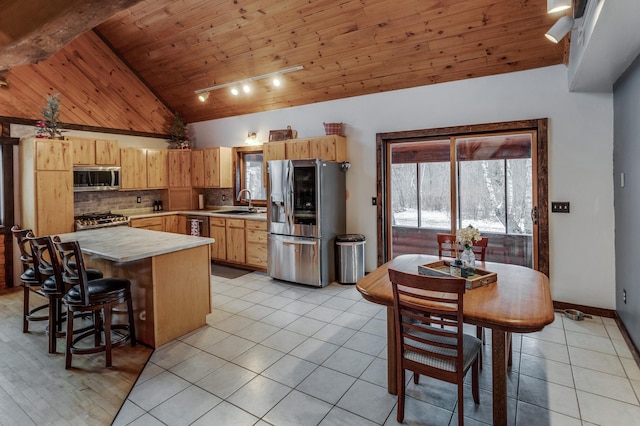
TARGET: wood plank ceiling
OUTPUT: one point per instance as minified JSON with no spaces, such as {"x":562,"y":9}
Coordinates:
{"x":347,"y":48}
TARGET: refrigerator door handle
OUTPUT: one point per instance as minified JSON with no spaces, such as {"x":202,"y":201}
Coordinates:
{"x":289,"y":197}
{"x":299,"y":243}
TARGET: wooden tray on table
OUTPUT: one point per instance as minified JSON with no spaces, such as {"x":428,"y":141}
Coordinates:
{"x":442,"y":268}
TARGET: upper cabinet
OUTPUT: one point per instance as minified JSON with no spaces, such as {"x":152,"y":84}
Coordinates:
{"x":94,"y":152}
{"x":179,"y":168}
{"x":328,"y":148}
{"x":157,"y":168}
{"x":212,"y":168}
{"x":134,"y":168}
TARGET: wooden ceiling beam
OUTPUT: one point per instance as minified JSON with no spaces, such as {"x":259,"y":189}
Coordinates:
{"x":33,"y":30}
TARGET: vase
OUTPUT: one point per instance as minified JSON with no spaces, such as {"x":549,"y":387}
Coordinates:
{"x":468,"y":260}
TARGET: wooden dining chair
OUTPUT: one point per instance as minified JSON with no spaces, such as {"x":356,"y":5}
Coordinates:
{"x":442,"y":351}
{"x":96,"y":296}
{"x":448,"y":247}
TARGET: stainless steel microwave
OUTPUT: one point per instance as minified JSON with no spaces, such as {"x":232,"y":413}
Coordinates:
{"x":96,"y":178}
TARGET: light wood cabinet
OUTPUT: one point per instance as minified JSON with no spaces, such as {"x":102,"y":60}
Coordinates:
{"x":235,"y":240}
{"x":171,"y":223}
{"x":256,"y":243}
{"x":239,"y":241}
{"x":90,"y":152}
{"x":84,"y":151}
{"x":46,"y":186}
{"x":134,"y":168}
{"x":167,"y":223}
{"x":106,"y":152}
{"x":197,"y":168}
{"x":52,"y":155}
{"x":297,"y":149}
{"x":329,"y":148}
{"x":155,"y":223}
{"x":272,"y":151}
{"x":157,"y":168}
{"x":218,"y":167}
{"x":179,"y":168}
{"x":217,"y":231}
{"x":212,"y":168}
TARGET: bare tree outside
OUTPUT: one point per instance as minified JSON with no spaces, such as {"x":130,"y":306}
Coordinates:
{"x":494,"y":195}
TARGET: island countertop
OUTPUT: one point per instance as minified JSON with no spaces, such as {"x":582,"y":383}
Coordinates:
{"x":125,"y":244}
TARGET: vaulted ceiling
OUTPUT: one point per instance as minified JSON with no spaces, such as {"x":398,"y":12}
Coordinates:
{"x":145,"y":62}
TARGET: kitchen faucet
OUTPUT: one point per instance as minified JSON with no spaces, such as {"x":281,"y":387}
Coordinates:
{"x":248,"y":197}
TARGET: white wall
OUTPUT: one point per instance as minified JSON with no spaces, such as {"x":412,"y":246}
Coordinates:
{"x":580,"y":158}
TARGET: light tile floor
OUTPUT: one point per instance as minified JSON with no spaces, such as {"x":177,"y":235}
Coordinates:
{"x":283,"y":354}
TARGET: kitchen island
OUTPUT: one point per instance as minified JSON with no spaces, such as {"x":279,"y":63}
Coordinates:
{"x":169,"y":273}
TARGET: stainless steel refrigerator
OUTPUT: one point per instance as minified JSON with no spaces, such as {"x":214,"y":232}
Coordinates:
{"x":306,"y":210}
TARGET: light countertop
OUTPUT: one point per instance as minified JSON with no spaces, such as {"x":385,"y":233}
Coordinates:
{"x":125,"y":244}
{"x":142,"y":213}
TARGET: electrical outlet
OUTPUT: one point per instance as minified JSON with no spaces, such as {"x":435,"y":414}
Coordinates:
{"x":624,"y":296}
{"x":139,"y":200}
{"x":374,"y":201}
{"x":560,"y":207}
{"x":224,"y":197}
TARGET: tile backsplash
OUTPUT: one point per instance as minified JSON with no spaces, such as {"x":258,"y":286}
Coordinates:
{"x":105,"y":201}
{"x":214,"y":196}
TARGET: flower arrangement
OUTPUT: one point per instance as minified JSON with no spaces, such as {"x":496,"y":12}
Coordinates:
{"x":467,"y":236}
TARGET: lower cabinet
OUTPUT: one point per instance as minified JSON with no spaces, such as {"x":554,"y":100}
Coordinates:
{"x":256,"y":243}
{"x":239,"y":241}
{"x":169,"y":223}
{"x":174,"y":223}
{"x":218,"y":231}
{"x":235,"y":241}
{"x":152,"y":223}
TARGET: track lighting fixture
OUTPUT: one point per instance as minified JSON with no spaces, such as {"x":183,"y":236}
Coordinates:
{"x":554,"y":6}
{"x":203,"y":94}
{"x":560,"y":29}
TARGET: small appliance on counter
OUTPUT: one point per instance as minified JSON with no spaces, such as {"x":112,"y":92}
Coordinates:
{"x":99,"y":220}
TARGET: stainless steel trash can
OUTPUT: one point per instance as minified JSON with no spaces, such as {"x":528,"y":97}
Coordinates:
{"x":350,"y":258}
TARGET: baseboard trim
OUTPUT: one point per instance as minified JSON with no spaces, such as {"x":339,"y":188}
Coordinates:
{"x":607,"y":313}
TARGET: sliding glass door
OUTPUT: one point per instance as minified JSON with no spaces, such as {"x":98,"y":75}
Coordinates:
{"x":488,"y":181}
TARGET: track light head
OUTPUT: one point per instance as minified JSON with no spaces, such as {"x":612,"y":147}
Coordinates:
{"x":246,"y":88}
{"x":234,"y":91}
{"x":202,"y":97}
{"x":560,"y":29}
{"x":554,"y":6}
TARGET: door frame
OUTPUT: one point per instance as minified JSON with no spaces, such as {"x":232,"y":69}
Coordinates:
{"x":383,"y":152}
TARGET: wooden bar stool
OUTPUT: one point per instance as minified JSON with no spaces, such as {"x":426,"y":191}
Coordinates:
{"x":98,"y":297}
{"x":30,"y":282}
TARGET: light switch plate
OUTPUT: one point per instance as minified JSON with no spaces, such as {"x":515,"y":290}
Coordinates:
{"x":560,"y":207}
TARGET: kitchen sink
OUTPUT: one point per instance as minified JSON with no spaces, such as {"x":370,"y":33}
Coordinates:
{"x":238,"y":212}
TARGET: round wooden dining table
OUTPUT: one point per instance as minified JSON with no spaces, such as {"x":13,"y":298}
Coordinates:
{"x":518,"y":302}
